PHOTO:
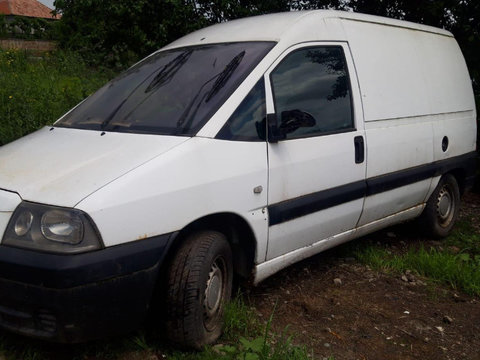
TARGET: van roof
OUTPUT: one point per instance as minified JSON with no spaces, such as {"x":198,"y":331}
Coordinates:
{"x":274,"y":27}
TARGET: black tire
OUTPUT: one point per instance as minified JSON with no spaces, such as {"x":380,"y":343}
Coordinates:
{"x":442,"y":208}
{"x":199,"y":285}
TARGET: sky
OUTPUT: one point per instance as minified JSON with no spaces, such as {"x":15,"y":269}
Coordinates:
{"x":49,"y":3}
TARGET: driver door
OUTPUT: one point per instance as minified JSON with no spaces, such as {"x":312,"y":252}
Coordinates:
{"x":316,"y":147}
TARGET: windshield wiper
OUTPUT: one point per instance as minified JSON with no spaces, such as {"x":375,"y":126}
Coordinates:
{"x":225,"y":75}
{"x":168,"y":71}
{"x":221,"y":80}
{"x":163,"y":76}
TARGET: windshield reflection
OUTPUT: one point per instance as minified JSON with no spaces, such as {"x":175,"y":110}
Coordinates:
{"x":173,"y":92}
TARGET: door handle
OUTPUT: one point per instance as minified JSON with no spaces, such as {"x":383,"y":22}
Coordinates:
{"x":359,"y":149}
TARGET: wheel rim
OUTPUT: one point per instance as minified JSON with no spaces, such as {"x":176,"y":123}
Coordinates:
{"x":214,"y":293}
{"x":445,"y":206}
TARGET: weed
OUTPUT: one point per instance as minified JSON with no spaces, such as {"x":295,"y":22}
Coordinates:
{"x":465,"y":239}
{"x":140,"y":341}
{"x":267,"y":346}
{"x":240,"y":319}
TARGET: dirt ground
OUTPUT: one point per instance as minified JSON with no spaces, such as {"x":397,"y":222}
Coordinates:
{"x":369,"y":315}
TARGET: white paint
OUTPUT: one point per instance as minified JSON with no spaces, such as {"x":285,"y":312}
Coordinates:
{"x":272,"y":266}
{"x":8,"y":202}
{"x":294,"y":27}
{"x":200,"y":177}
{"x":405,"y":73}
{"x":381,"y":205}
{"x":63,"y":166}
{"x":307,"y":230}
{"x":390,"y":220}
{"x":300,"y":167}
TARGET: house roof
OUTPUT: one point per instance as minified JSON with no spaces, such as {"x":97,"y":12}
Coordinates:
{"x":31,"y":8}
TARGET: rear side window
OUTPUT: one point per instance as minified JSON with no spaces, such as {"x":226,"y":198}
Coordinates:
{"x":248,"y":123}
{"x":312,"y":84}
{"x":172,"y":92}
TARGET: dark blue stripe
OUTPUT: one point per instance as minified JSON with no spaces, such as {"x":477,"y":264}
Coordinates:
{"x":311,"y":203}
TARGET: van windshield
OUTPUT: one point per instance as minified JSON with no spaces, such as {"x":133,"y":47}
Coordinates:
{"x":172,"y":92}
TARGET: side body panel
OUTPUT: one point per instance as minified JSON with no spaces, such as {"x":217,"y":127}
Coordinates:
{"x":8,"y":202}
{"x":415,"y":91}
{"x":201,"y":177}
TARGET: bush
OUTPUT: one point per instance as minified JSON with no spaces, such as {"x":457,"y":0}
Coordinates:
{"x":22,"y":27}
{"x":118,"y":32}
{"x":35,"y":92}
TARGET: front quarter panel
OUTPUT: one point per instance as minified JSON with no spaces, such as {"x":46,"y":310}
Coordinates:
{"x":201,"y":177}
{"x":8,"y":202}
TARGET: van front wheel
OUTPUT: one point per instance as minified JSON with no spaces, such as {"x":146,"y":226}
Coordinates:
{"x":199,"y":285}
{"x":442,"y":208}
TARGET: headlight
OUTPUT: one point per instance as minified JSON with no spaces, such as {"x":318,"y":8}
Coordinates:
{"x":51,"y":229}
{"x":62,"y":226}
{"x":23,"y":223}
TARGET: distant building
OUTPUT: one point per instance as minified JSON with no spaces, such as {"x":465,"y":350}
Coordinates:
{"x":26,"y":25}
{"x":29,"y":8}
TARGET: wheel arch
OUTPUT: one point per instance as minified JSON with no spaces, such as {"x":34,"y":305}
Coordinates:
{"x":238,"y":232}
{"x":460,"y":176}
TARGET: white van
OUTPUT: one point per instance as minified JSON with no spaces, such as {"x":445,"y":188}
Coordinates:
{"x":235,"y":151}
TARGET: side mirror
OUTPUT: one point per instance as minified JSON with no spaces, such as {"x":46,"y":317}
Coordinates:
{"x":291,"y":121}
{"x":273,"y":134}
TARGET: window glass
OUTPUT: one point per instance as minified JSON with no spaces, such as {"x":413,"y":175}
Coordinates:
{"x":312,"y":93}
{"x":247,"y":123}
{"x":172,"y":92}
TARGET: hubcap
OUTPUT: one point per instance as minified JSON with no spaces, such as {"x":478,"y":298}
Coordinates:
{"x":445,"y":206}
{"x":214,"y":293}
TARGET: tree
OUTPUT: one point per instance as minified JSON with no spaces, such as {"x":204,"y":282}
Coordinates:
{"x":118,"y":32}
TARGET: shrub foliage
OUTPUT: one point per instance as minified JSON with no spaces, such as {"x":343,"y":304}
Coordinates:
{"x":22,"y":27}
{"x":37,"y":91}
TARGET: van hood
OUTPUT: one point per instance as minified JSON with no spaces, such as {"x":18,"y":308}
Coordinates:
{"x":60,"y":166}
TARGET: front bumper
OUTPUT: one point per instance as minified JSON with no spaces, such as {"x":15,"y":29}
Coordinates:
{"x":75,"y":298}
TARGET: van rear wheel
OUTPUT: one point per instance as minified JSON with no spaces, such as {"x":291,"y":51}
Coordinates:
{"x":442,"y":208}
{"x":199,"y":285}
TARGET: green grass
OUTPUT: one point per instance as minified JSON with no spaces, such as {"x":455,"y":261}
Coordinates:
{"x":456,"y":263}
{"x":257,"y":343}
{"x":465,"y":238}
{"x":35,"y":91}
{"x":240,"y":320}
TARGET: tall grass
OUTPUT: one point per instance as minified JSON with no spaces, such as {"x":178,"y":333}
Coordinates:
{"x":465,"y":238}
{"x":454,"y":262}
{"x":460,"y":271}
{"x":35,"y":91}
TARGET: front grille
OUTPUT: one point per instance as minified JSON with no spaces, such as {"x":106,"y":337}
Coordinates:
{"x":41,"y":323}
